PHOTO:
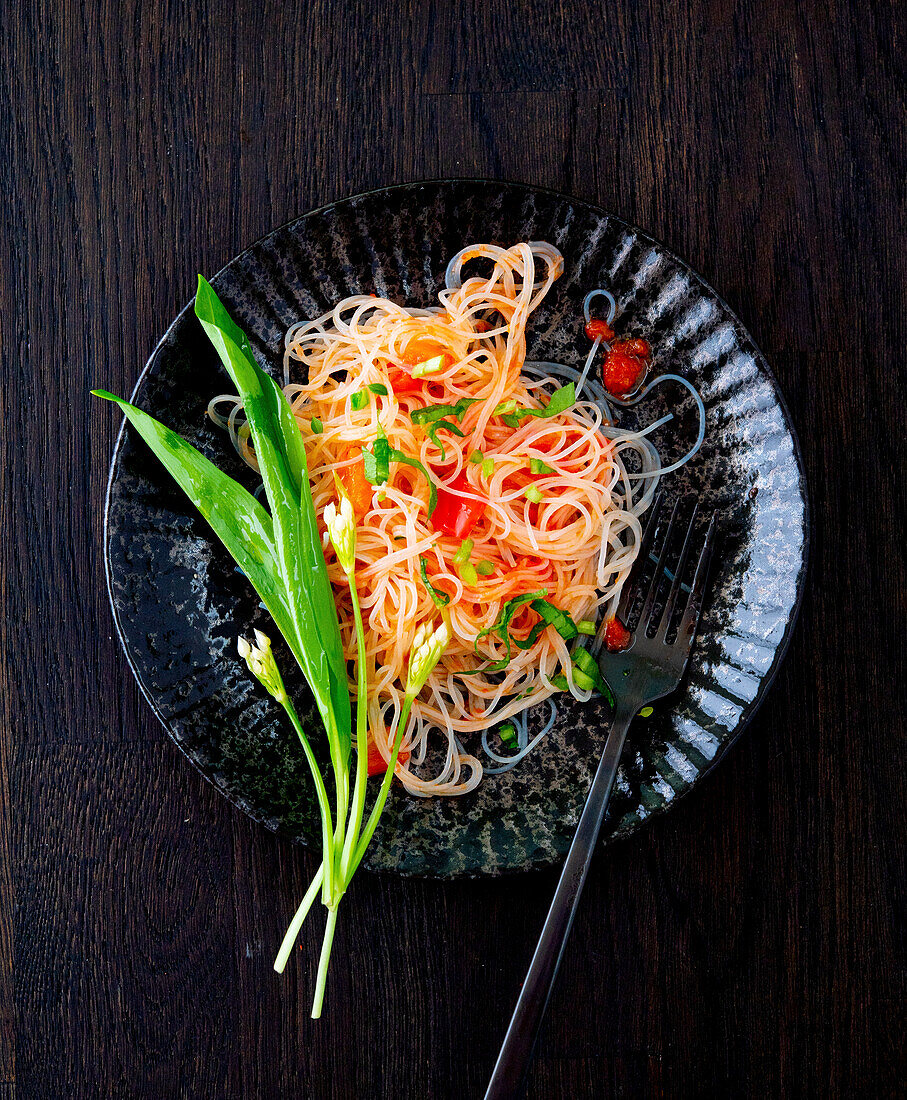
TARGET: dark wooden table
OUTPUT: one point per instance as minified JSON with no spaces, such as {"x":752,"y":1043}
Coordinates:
{"x":746,"y":944}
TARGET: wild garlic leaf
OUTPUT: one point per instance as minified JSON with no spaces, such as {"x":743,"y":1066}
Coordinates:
{"x":281,"y":458}
{"x":234,"y":515}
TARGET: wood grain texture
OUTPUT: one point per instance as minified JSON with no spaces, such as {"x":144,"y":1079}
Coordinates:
{"x":748,"y":944}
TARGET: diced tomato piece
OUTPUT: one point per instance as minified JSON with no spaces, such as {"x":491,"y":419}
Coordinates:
{"x":354,"y":483}
{"x":402,"y":381}
{"x":454,"y":514}
{"x":377,"y":765}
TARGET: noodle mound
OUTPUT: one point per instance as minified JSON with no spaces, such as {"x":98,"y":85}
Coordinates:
{"x":577,"y":542}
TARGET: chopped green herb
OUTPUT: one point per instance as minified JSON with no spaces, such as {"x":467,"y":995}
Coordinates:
{"x":379,"y":388}
{"x":646,"y":712}
{"x":468,"y":574}
{"x":436,"y":412}
{"x":531,"y":493}
{"x":377,"y":466}
{"x":487,"y":467}
{"x":551,"y":616}
{"x":582,"y":680}
{"x":536,"y":466}
{"x":586,"y":675}
{"x":508,"y":734}
{"x":439,"y":598}
{"x":484,"y":568}
{"x":463,"y":552}
{"x":586,"y":626}
{"x":554,"y":616}
{"x":562,"y":399}
{"x":377,"y":461}
{"x":501,"y":627}
{"x":432,"y":433}
{"x":316,"y":425}
{"x":505,"y":407}
{"x":358,"y":400}
{"x":428,"y":366}
{"x":476,"y":457}
{"x":584,"y":660}
{"x":399,"y":456}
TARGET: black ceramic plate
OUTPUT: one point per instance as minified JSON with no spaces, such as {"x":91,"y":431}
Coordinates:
{"x":179,"y":604}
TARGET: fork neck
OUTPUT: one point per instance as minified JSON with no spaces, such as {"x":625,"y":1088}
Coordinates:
{"x":625,"y":710}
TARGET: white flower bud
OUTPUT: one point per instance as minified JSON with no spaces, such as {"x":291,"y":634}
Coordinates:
{"x":262,"y":665}
{"x":425,"y":653}
{"x":342,"y":532}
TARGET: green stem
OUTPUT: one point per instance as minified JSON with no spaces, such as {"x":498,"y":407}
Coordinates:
{"x":372,"y":822}
{"x":327,"y":835}
{"x":296,"y":923}
{"x":323,"y":963}
{"x":358,"y":807}
{"x":342,"y":787}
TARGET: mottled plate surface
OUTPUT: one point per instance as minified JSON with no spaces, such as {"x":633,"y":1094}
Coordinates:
{"x":179,"y":604}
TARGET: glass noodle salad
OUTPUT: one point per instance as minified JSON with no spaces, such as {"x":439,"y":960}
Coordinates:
{"x":491,"y":492}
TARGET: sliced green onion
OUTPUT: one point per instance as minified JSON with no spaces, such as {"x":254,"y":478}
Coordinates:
{"x":582,"y":680}
{"x":462,"y":554}
{"x":554,"y":616}
{"x":531,"y":493}
{"x":508,"y":734}
{"x":316,"y":425}
{"x":586,"y":626}
{"x":484,"y":568}
{"x":359,"y":400}
{"x":584,"y":660}
{"x":560,"y":682}
{"x":428,"y":366}
{"x":469,"y":575}
{"x":536,"y":466}
{"x":646,"y":712}
{"x":476,"y":457}
{"x":487,"y":466}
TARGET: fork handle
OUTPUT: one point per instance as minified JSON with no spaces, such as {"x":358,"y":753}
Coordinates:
{"x":516,"y":1052}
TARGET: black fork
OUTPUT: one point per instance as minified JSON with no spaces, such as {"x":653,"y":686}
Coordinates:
{"x":648,"y":669}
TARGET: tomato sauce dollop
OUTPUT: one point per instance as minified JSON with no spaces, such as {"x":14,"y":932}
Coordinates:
{"x":624,"y":366}
{"x":617,"y":637}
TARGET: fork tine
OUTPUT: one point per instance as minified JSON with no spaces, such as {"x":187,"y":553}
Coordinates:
{"x":625,"y":604}
{"x":689,"y":624}
{"x":659,"y":572}
{"x":678,"y":574}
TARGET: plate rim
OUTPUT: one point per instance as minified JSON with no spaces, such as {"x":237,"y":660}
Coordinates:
{"x":781,"y":651}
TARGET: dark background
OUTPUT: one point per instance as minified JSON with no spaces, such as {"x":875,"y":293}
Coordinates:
{"x":747,"y":943}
